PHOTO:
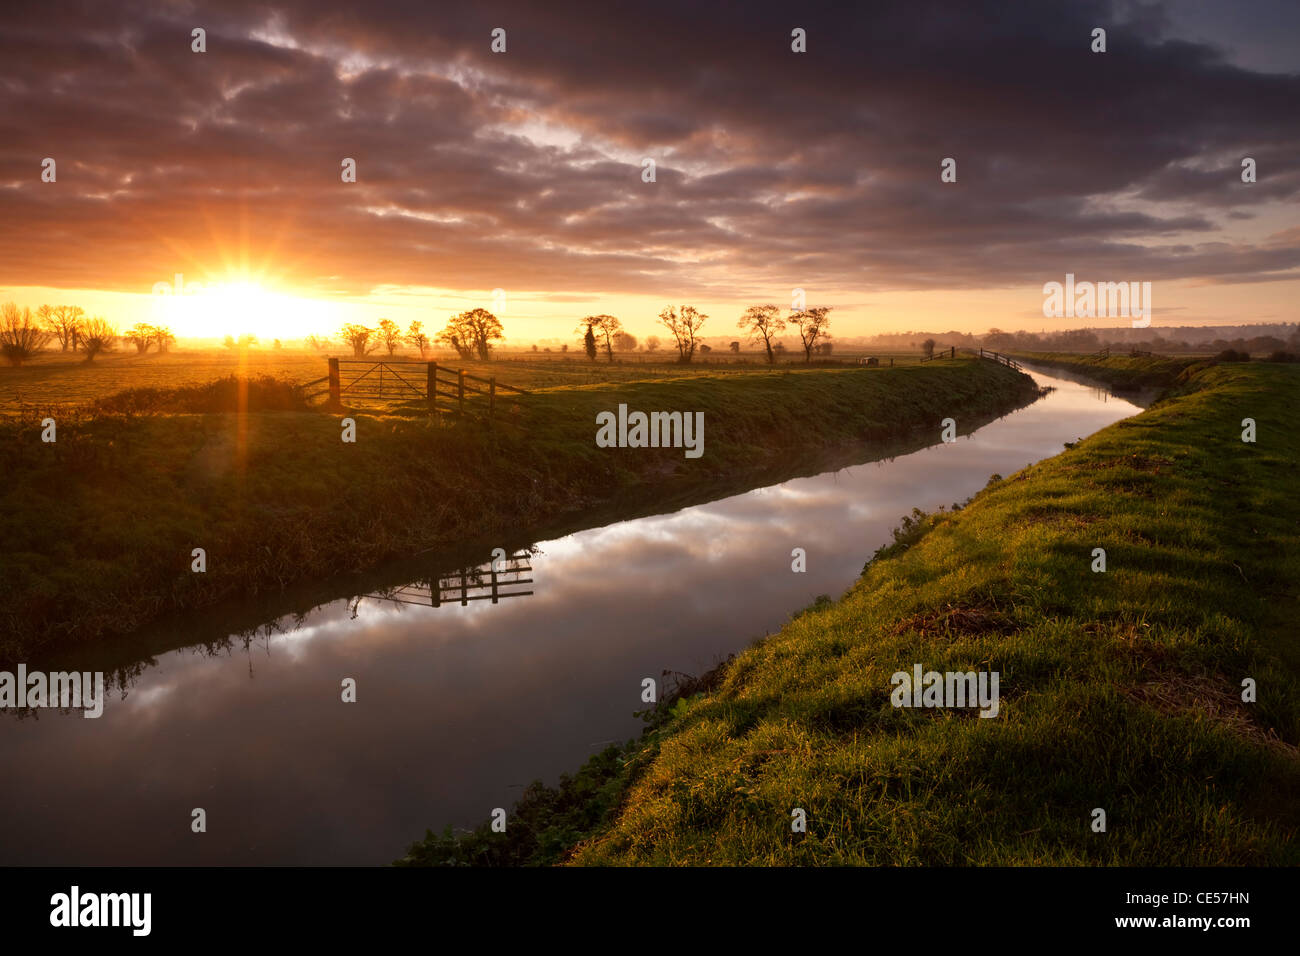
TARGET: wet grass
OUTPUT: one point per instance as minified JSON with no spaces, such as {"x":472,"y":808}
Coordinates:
{"x":1120,"y":690}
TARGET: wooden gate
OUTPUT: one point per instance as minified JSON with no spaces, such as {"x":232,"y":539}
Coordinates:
{"x":443,"y":390}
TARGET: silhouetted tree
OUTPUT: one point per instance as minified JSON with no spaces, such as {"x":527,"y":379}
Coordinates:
{"x":812,"y":324}
{"x":97,"y":335}
{"x":606,"y":327}
{"x":764,"y":324}
{"x":683,"y":323}
{"x":416,"y":338}
{"x":390,"y":335}
{"x":141,"y":336}
{"x":359,"y":338}
{"x":473,"y":332}
{"x":65,"y":322}
{"x":21,"y":336}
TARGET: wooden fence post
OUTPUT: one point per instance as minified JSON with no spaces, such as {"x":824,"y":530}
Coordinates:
{"x":336,"y":389}
{"x":431,"y":386}
{"x":460,"y":376}
{"x":492,"y":396}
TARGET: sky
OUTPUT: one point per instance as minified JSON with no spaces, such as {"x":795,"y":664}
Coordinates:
{"x":516,"y":180}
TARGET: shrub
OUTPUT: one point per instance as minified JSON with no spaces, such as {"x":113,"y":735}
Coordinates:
{"x":260,"y":394}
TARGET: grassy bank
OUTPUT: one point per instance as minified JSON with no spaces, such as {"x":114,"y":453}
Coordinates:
{"x":98,"y":527}
{"x":1121,"y":372}
{"x":1119,"y":690}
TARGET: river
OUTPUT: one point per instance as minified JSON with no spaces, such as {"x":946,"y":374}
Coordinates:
{"x":459,"y":706}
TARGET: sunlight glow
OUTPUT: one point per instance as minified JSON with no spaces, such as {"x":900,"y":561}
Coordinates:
{"x":239,"y":307}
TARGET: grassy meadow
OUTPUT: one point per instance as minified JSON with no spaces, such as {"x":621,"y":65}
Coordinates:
{"x":1120,"y":690}
{"x":99,"y":526}
{"x":66,"y":379}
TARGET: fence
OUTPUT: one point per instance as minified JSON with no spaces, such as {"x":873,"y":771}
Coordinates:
{"x":950,"y":352}
{"x":489,"y":581}
{"x":442,"y":389}
{"x":1006,"y":360}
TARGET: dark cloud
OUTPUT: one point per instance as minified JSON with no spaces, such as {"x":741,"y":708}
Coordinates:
{"x":523,"y":170}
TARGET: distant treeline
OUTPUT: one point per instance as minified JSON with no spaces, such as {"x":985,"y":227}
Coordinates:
{"x":24,"y":332}
{"x":1185,"y":339}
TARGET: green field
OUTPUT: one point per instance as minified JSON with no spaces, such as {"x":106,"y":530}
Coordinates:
{"x":1120,"y":689}
{"x":59,"y":379}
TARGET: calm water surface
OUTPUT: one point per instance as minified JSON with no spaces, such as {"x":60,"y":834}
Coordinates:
{"x":459,"y":707}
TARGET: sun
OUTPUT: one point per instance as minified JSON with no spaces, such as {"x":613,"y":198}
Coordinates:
{"x":236,"y":307}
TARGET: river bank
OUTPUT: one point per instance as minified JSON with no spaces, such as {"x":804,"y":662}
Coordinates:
{"x":1121,"y":689}
{"x":100,"y":526}
{"x":1124,"y":373}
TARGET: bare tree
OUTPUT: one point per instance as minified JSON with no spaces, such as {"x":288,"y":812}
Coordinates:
{"x":812,"y":325}
{"x":64,"y":321}
{"x":318,"y":342}
{"x":141,"y":336}
{"x":624,"y":341}
{"x":97,"y":335}
{"x":606,"y":327}
{"x":928,"y":348}
{"x":416,"y":338}
{"x":21,"y":336}
{"x":390,"y":335}
{"x":763,"y":323}
{"x":45,"y":317}
{"x":652,"y":343}
{"x":359,"y":337}
{"x":683,"y":323}
{"x":163,"y":338}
